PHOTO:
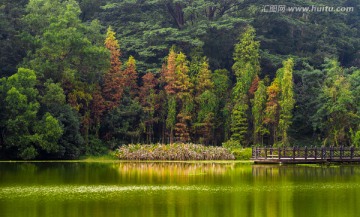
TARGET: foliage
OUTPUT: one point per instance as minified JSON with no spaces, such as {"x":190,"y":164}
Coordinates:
{"x":231,"y":145}
{"x":163,"y":23}
{"x":176,"y":151}
{"x":246,"y":57}
{"x":258,"y":112}
{"x":64,"y":48}
{"x":242,"y":154}
{"x":206,"y":104}
{"x":113,"y":80}
{"x":286,"y":100}
{"x":26,"y":134}
{"x":246,"y":69}
{"x":11,"y":46}
{"x":309,"y":84}
{"x":65,"y":92}
{"x":336,"y":113}
{"x":239,"y":123}
{"x":273,"y":109}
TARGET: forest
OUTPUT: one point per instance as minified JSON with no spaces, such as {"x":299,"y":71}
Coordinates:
{"x":81,"y":77}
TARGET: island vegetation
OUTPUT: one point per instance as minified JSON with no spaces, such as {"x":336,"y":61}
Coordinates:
{"x":82,"y":77}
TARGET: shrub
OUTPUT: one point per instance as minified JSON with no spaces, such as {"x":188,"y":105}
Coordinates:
{"x":179,"y":151}
{"x":231,"y":144}
{"x":96,"y":147}
{"x":242,"y":154}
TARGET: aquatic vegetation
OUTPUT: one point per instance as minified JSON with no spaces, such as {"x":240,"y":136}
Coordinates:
{"x":177,"y":151}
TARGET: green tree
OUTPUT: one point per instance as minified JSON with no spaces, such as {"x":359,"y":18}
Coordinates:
{"x":258,"y":112}
{"x":239,"y":123}
{"x":246,"y":68}
{"x":206,"y":103}
{"x":26,"y":135}
{"x":171,"y":117}
{"x":71,"y":142}
{"x":149,"y":100}
{"x":12,"y":48}
{"x":148,"y":28}
{"x":337,"y":113}
{"x":66,"y":50}
{"x":287,"y":101}
{"x":308,"y":87}
{"x":47,"y":133}
{"x":246,"y":57}
{"x":222,"y":90}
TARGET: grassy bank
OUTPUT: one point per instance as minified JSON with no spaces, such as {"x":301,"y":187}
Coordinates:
{"x":188,"y":153}
{"x":98,"y":158}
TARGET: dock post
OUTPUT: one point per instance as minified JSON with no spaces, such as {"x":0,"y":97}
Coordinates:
{"x":306,"y":152}
{"x":279,"y":152}
{"x":316,"y":153}
{"x":331,"y":152}
{"x":265,"y":152}
{"x":341,"y":152}
{"x":294,"y":153}
{"x":352,"y":152}
{"x":284,"y":151}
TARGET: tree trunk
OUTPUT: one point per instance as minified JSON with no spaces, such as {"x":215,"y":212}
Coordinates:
{"x":177,"y":13}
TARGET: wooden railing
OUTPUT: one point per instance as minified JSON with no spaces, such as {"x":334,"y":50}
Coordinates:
{"x":304,"y":153}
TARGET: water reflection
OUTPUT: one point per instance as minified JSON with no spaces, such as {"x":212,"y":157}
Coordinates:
{"x":177,"y":189}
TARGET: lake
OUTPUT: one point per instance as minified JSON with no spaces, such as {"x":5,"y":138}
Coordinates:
{"x":129,"y":189}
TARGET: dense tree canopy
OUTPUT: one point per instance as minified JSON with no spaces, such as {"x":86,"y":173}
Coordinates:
{"x":85,"y":76}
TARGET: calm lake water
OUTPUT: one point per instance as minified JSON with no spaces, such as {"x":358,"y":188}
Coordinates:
{"x":177,"y":189}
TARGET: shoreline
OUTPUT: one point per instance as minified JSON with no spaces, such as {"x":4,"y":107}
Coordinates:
{"x":130,"y":161}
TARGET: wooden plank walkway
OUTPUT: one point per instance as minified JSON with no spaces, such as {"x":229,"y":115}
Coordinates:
{"x":305,"y":155}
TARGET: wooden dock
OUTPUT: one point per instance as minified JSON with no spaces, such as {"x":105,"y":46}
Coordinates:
{"x":305,"y":155}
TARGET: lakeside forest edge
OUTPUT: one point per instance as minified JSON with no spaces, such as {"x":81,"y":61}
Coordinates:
{"x":84,"y":77}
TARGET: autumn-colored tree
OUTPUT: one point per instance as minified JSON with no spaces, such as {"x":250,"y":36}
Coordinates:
{"x":129,"y":78}
{"x":203,"y":81}
{"x":183,"y":84}
{"x":280,"y":103}
{"x":80,"y":99}
{"x":168,"y":79}
{"x":254,"y":87}
{"x":149,"y":84}
{"x":272,"y":110}
{"x":168,"y":73}
{"x":113,"y":81}
{"x":184,"y":97}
